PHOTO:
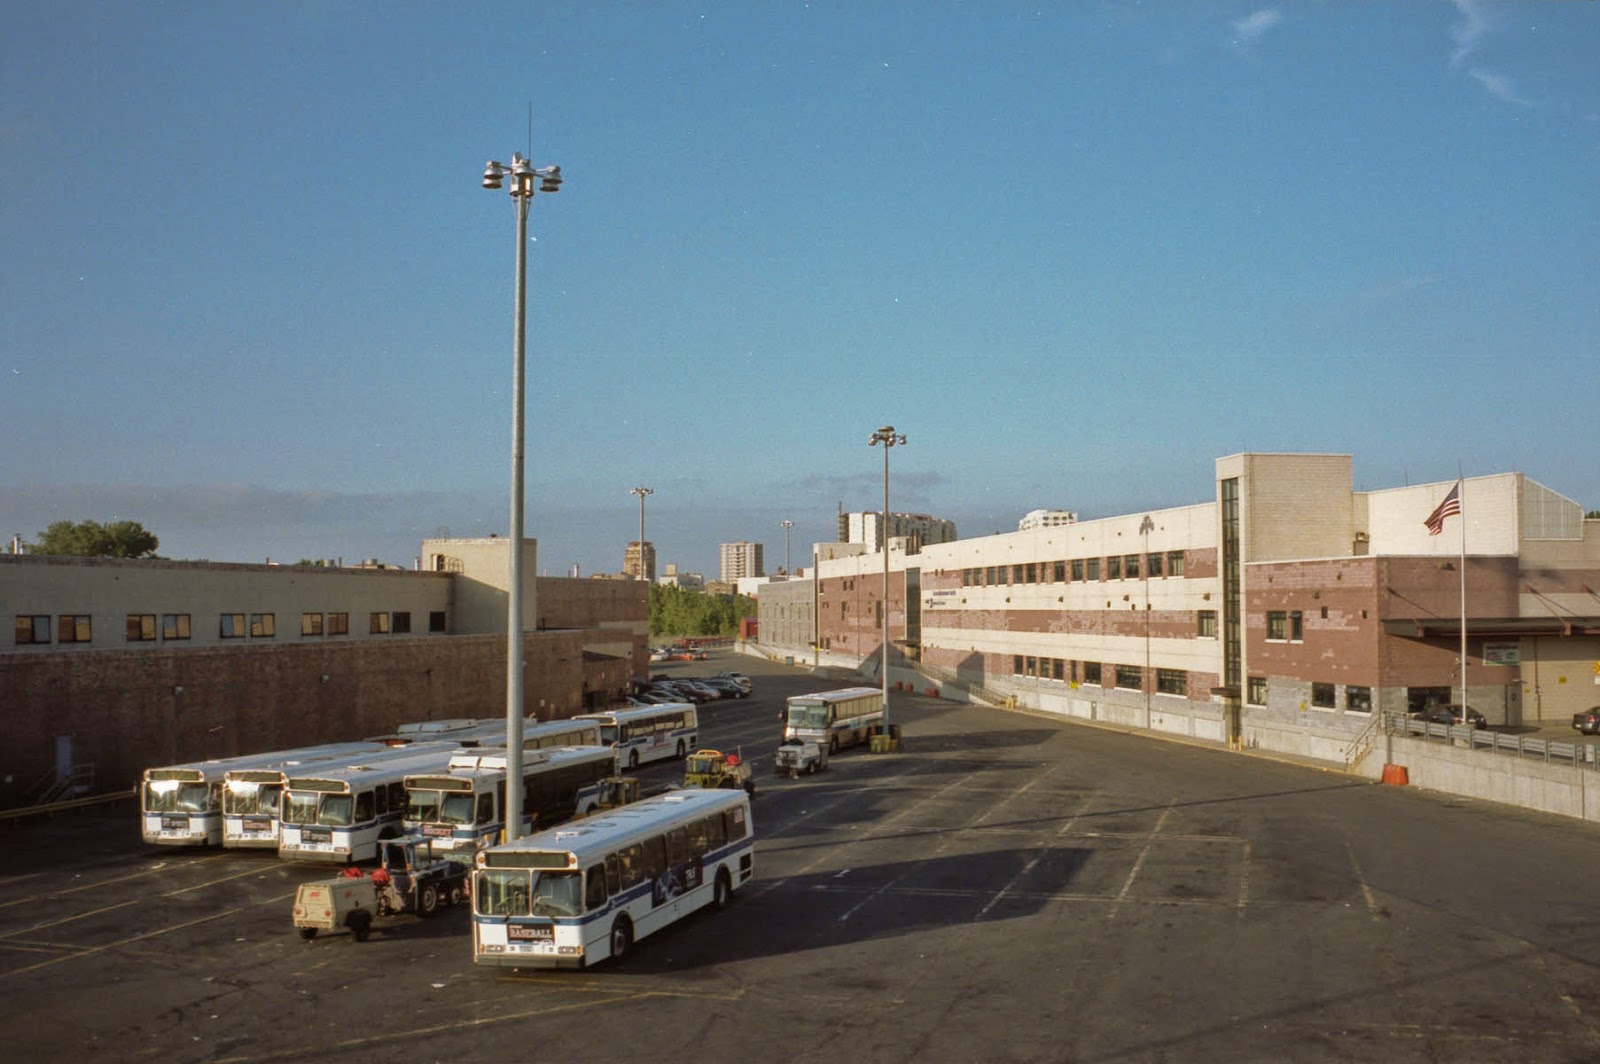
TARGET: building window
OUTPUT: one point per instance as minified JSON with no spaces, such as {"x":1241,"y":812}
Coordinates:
{"x":1092,"y":565}
{"x":310,"y":624}
{"x":1130,"y":677}
{"x":1296,"y":632}
{"x":141,"y":627}
{"x":1322,"y":695}
{"x":1113,"y":568}
{"x":262,"y":626}
{"x":1077,"y":568}
{"x":1091,"y":672}
{"x":1277,"y":626}
{"x":1060,"y":576}
{"x":76,"y":628}
{"x":1256,"y":691}
{"x":33,"y":628}
{"x":1358,"y":699}
{"x":436,"y":621}
{"x":1130,"y":566}
{"x":378,"y":624}
{"x":401,"y":623}
{"x":1058,"y":669}
{"x":175,"y":626}
{"x":1016,"y":665}
{"x":232,"y":626}
{"x":338,"y":624}
{"x":1172,"y":681}
{"x":1153,"y":563}
{"x":1174,"y":563}
{"x":1016,"y":574}
{"x":1033,"y":573}
{"x":1205,"y":624}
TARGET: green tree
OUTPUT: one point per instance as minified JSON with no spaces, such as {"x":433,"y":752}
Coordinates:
{"x":676,"y":611}
{"x":91,"y":539}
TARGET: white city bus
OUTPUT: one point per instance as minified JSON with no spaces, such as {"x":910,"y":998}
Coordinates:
{"x":492,"y":732}
{"x":339,"y":812}
{"x":648,"y":733}
{"x":834,"y":718}
{"x":181,"y":805}
{"x":251,"y":796}
{"x":464,"y":808}
{"x":575,"y":895}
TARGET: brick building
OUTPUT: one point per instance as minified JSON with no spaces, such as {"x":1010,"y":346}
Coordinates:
{"x":1286,"y":612}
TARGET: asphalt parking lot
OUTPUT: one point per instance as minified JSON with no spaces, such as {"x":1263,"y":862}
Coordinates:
{"x":1005,"y":888}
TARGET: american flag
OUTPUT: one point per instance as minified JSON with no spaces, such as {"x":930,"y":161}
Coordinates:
{"x":1450,"y":506}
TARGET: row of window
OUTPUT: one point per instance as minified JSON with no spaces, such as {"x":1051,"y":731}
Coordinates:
{"x":1128,"y":677}
{"x":1077,"y":570}
{"x":176,"y":627}
{"x":1323,"y":695}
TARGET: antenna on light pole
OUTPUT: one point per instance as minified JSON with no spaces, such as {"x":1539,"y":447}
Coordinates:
{"x":889,"y":438}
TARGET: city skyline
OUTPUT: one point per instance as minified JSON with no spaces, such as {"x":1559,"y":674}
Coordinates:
{"x":1075,"y":254}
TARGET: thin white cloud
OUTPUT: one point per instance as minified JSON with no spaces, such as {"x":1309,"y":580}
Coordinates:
{"x":1469,"y":32}
{"x":1250,"y":29}
{"x":1499,"y":86}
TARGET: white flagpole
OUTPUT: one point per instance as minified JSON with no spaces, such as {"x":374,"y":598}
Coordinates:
{"x":1461,"y":489}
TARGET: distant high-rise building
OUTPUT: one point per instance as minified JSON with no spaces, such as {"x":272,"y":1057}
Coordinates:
{"x":1046,"y":519}
{"x":866,"y":527}
{"x":633,"y":566}
{"x":740,"y":559}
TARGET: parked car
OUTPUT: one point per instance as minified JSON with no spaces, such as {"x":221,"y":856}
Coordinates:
{"x":737,"y":677}
{"x":1587,"y":722}
{"x":1451,"y":713}
{"x":728,"y":688}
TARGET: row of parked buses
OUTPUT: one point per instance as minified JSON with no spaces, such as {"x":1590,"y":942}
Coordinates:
{"x":570,"y":894}
{"x":335,"y":802}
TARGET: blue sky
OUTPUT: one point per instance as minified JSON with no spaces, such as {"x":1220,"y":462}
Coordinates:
{"x":253,"y":296}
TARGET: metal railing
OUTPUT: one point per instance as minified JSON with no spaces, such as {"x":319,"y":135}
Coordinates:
{"x":1580,"y":755}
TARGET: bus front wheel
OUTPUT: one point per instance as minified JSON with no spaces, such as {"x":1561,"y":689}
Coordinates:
{"x":621,"y":938}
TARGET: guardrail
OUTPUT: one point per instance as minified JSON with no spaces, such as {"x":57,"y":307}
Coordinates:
{"x":1581,"y":755}
{"x":48,"y":808}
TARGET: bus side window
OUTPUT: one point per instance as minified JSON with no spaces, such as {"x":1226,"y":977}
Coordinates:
{"x":655,"y":856}
{"x":734,"y":818}
{"x":397,"y":797}
{"x":716,"y":831}
{"x":595,"y":887}
{"x":632,"y":866}
{"x":382,"y":796}
{"x":364,"y":807}
{"x":677,"y":846}
{"x":698,"y":841}
{"x":485,"y":808}
{"x":613,"y":873}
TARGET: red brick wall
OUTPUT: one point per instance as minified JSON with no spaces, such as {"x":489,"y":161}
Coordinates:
{"x":122,"y":711}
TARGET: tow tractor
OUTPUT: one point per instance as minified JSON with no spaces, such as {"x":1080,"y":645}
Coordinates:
{"x":618,"y":791}
{"x":800,"y":755}
{"x":715,"y":769}
{"x":411,"y":879}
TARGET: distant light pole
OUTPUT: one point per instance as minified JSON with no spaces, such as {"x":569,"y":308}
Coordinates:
{"x":889,"y":438}
{"x":787,"y":524}
{"x":641,"y":491}
{"x":1145,"y":528}
{"x":522,"y":174}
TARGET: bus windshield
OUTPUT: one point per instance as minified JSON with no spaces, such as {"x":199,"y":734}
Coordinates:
{"x":519,"y":892}
{"x":608,"y":734}
{"x":243,"y":796}
{"x":312,"y":807}
{"x":435,"y":807}
{"x":174,"y":796}
{"x":808,"y":716}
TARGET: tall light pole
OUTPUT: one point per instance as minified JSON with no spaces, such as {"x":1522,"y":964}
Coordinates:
{"x":641,"y":491}
{"x":889,"y":438}
{"x":1145,"y":528}
{"x":523,"y":175}
{"x":787,"y":524}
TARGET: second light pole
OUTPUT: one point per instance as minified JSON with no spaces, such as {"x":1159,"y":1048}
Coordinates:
{"x":642,"y":491}
{"x":889,"y":438}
